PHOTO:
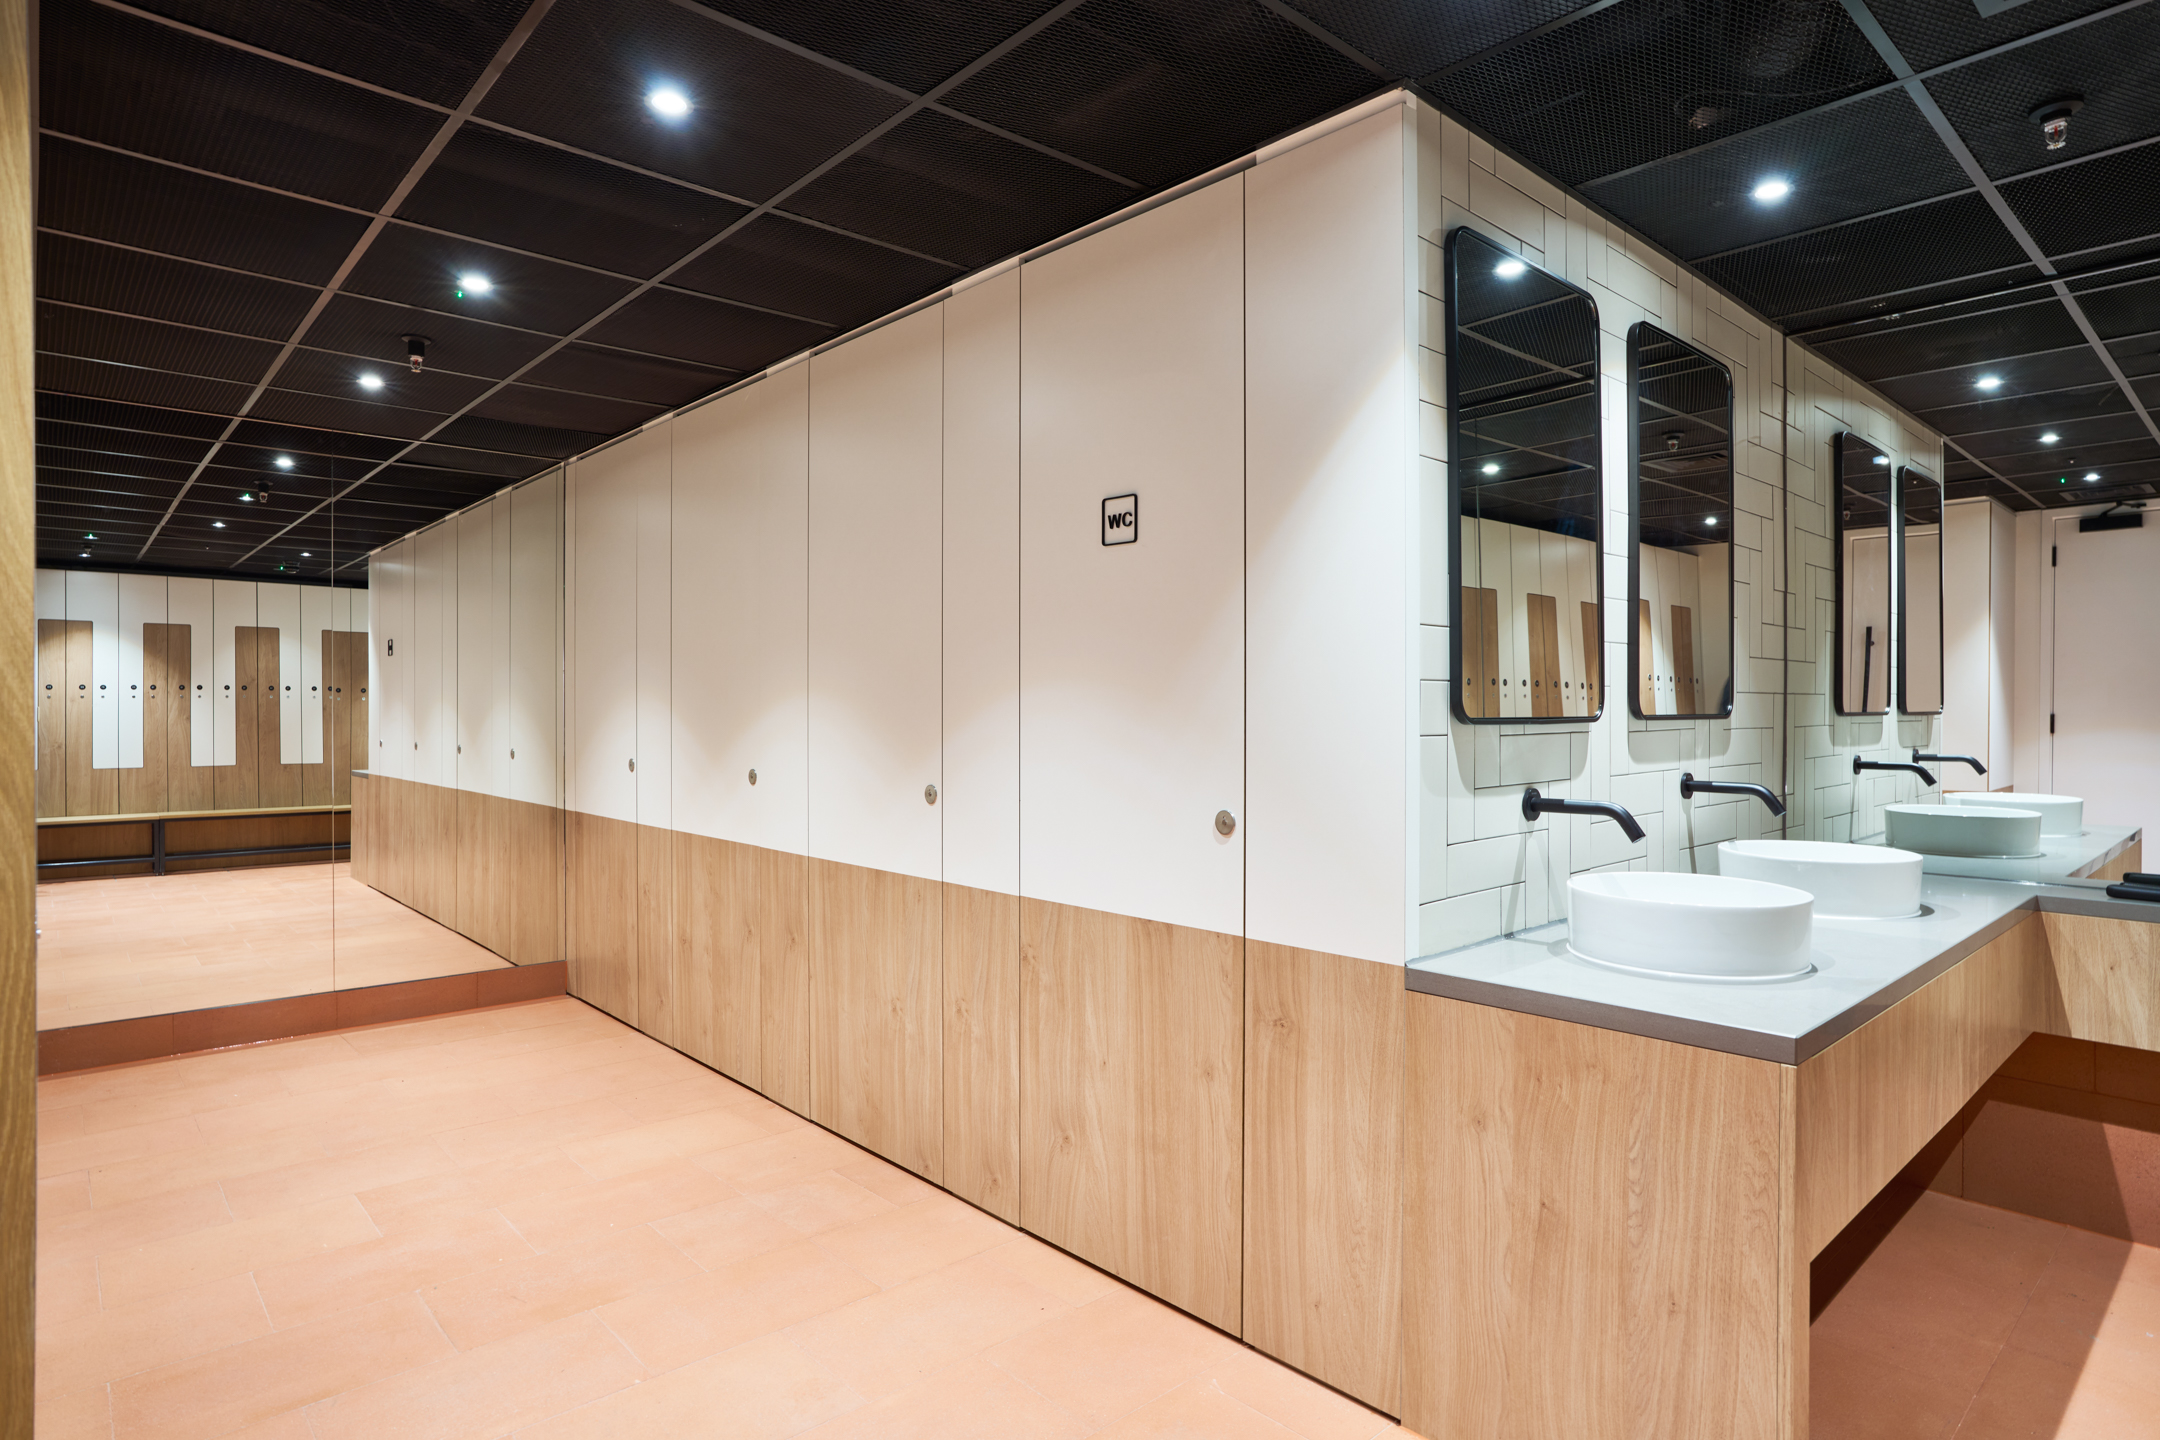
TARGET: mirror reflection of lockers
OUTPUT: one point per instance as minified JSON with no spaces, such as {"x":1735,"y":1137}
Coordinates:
{"x":1523,"y":483}
{"x":1861,"y":522}
{"x":1919,"y":593}
{"x":1680,"y":522}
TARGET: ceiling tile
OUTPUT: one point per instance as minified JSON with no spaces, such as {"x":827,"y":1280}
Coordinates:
{"x":107,"y":278}
{"x":915,"y":44}
{"x":422,"y":269}
{"x":595,"y":370}
{"x":781,"y":264}
{"x":2113,"y":65}
{"x":705,"y":332}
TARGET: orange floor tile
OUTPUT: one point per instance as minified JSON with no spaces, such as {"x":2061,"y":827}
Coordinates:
{"x":1982,"y":1324}
{"x":535,"y":1222}
{"x":156,"y":944}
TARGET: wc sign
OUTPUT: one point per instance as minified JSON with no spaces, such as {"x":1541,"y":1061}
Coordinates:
{"x":1121,"y":520}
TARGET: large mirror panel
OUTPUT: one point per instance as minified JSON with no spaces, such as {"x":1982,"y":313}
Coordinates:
{"x":1920,"y":593}
{"x":1861,"y":531}
{"x":1524,"y":484}
{"x":1680,"y":519}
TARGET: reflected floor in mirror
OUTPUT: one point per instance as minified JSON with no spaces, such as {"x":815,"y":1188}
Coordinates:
{"x":534,"y":1221}
{"x":1982,"y":1324}
{"x":158,"y":944}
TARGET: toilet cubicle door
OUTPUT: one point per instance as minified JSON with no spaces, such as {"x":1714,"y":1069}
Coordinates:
{"x":1132,"y":745}
{"x":876,"y":473}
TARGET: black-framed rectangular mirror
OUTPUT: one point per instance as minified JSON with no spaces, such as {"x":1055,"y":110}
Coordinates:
{"x":1860,"y":532}
{"x":1680,"y":527}
{"x":1523,"y":489}
{"x":1919,"y":509}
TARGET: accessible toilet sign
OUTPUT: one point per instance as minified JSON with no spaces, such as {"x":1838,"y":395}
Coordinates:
{"x":1121,"y":520}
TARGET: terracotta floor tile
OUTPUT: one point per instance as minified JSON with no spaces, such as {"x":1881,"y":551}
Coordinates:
{"x":672,"y":1325}
{"x":59,"y":1195}
{"x":777,"y":1161}
{"x":1854,"y":1395}
{"x":819,"y":1202}
{"x":579,"y":1213}
{"x":887,"y":1181}
{"x":1111,"y":1356}
{"x":74,"y":1415}
{"x":88,"y":1232}
{"x":2029,"y":1395}
{"x":487,"y":1392}
{"x":914,"y":1239}
{"x":1047,"y":1267}
{"x":2105,"y":1326}
{"x":886,"y":1342}
{"x":141,"y":1272}
{"x":972,"y":1400}
{"x":133,"y":1338}
{"x":291,"y":1185}
{"x":537,"y":1130}
{"x":128,"y":1181}
{"x":721,"y":1234}
{"x":1290,"y":1399}
{"x":129,"y":1142}
{"x":321,"y":1285}
{"x":292,"y":1425}
{"x":643,"y":1146}
{"x":450,"y":1195}
{"x":685,"y":1096}
{"x":67,"y":1290}
{"x":1195,"y":1410}
{"x":2106,"y":1258}
{"x":214,"y":1394}
{"x":520,"y":1295}
{"x":763,"y":1390}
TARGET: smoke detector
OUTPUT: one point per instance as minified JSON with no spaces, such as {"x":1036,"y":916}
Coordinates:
{"x":2053,"y":118}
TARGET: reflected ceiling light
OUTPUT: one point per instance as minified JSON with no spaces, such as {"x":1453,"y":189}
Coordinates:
{"x":472,"y":282}
{"x":2092,"y":475}
{"x":2050,"y":438}
{"x":371,"y":382}
{"x":1509,"y":269}
{"x":668,"y":102}
{"x":1491,"y":469}
{"x":89,"y":537}
{"x":1711,"y":521}
{"x":307,"y":554}
{"x":84,"y":556}
{"x":246,"y":495}
{"x":217,"y":524}
{"x":1988,"y":382}
{"x":1882,"y":459}
{"x":1769,"y":192}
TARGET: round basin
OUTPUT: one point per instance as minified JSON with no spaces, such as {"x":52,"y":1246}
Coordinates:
{"x":1694,"y":927}
{"x":1849,"y":882}
{"x":1979,"y":832}
{"x":2059,"y":814}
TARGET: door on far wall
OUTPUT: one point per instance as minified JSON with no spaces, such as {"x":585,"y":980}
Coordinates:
{"x":2107,"y":690}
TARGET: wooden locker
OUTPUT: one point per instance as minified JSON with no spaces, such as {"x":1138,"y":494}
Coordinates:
{"x":1646,"y":687}
{"x":1544,"y":615}
{"x":52,"y":718}
{"x":1685,"y":680}
{"x":142,"y":788}
{"x":238,"y":786}
{"x":1593,"y":649}
{"x":1481,"y":651}
{"x":279,"y":785}
{"x":90,"y":791}
{"x":188,"y":786}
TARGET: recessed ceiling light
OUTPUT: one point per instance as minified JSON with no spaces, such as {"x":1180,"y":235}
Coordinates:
{"x":84,"y":556}
{"x":668,"y":102}
{"x":307,"y":554}
{"x":2050,"y":438}
{"x":1769,"y":192}
{"x":217,"y":524}
{"x":472,"y":282}
{"x":1988,"y":382}
{"x":1711,"y":521}
{"x":89,"y":537}
{"x":246,"y":496}
{"x":2092,"y":475}
{"x":283,"y":462}
{"x":371,"y":382}
{"x":1492,"y":469}
{"x":1509,"y":269}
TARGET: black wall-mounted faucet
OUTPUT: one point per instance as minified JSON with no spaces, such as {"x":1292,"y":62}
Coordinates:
{"x":1534,"y":805}
{"x":1946,"y":759}
{"x":1690,"y":787}
{"x":1859,"y":765}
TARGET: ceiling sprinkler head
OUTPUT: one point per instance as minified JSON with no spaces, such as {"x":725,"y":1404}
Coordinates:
{"x":2053,"y":118}
{"x":416,"y":351}
{"x":1672,"y":440}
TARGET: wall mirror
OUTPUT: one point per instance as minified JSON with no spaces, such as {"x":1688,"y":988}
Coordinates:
{"x":1680,"y":521}
{"x":1919,"y":593}
{"x":1861,"y":521}
{"x":1523,"y":487}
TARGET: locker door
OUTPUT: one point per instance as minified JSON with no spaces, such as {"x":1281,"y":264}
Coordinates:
{"x":1132,"y":742}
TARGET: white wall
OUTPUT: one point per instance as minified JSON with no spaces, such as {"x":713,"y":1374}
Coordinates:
{"x":1979,"y":640}
{"x":2101,"y":685}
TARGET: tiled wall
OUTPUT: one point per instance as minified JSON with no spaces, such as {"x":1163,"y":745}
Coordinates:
{"x":1483,"y":869}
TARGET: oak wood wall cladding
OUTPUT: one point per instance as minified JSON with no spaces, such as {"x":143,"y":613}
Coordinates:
{"x":1323,"y":1167}
{"x":142,"y":790}
{"x":2108,"y":972}
{"x":713,"y":981}
{"x":536,"y":843}
{"x":90,"y":791}
{"x":51,"y":717}
{"x":1131,"y":1086}
{"x":982,"y":1048}
{"x":778,"y":891}
{"x":661,"y":1007}
{"x":603,"y":913}
{"x":877,"y":1012}
{"x":1591,"y":1233}
{"x":1868,"y":1103}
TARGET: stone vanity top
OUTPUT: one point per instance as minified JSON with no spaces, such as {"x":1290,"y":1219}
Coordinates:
{"x":2061,"y":857}
{"x":1862,"y":967}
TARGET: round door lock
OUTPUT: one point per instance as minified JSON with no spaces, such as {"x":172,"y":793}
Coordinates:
{"x":929,"y":794}
{"x":753,"y":777}
{"x":1225,"y":823}
{"x":633,"y":767}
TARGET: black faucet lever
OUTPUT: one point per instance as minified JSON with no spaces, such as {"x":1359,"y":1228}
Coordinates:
{"x":1859,"y":765}
{"x":1534,"y":805}
{"x":1945,"y":759}
{"x":1690,"y":787}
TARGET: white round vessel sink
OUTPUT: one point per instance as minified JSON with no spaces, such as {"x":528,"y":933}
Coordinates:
{"x":1692,"y":927}
{"x":1979,"y":832}
{"x":1849,"y":882}
{"x":2059,"y":814}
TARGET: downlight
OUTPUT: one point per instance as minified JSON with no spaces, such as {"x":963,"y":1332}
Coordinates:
{"x":283,"y":462}
{"x":667,"y":102}
{"x":1771,"y":191}
{"x":1988,"y":382}
{"x":371,"y":382}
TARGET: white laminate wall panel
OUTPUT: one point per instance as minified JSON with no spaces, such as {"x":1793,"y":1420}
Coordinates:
{"x":876,"y":533}
{"x":980,"y":802}
{"x":740,"y":633}
{"x":232,"y":604}
{"x":655,"y":627}
{"x":277,"y":607}
{"x":604,"y":524}
{"x":494,"y":735}
{"x":96,"y":598}
{"x":143,"y":601}
{"x":434,"y":652}
{"x":531,"y":746}
{"x":391,"y":578}
{"x":2002,"y":645}
{"x":478,"y":654}
{"x":1132,"y":656}
{"x":49,"y":594}
{"x":1968,"y":648}
{"x":1329,"y":668}
{"x":321,"y":608}
{"x":188,"y":602}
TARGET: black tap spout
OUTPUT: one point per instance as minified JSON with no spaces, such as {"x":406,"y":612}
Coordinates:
{"x":1534,"y":805}
{"x":1859,"y":765}
{"x":1690,"y":787}
{"x":1946,"y":759}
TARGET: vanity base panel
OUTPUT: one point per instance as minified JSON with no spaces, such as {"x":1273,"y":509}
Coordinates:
{"x":2109,"y":971}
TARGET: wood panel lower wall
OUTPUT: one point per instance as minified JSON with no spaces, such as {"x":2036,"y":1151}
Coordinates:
{"x":877,"y":1067}
{"x":982,"y":1048}
{"x":490,"y":868}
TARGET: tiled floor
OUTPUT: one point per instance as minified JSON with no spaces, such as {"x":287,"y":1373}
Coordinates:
{"x":1981,"y":1324}
{"x":533,"y":1221}
{"x":156,"y":944}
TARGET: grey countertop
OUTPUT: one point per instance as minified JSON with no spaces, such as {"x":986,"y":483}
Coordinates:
{"x":1862,"y":967}
{"x":2061,"y":857}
